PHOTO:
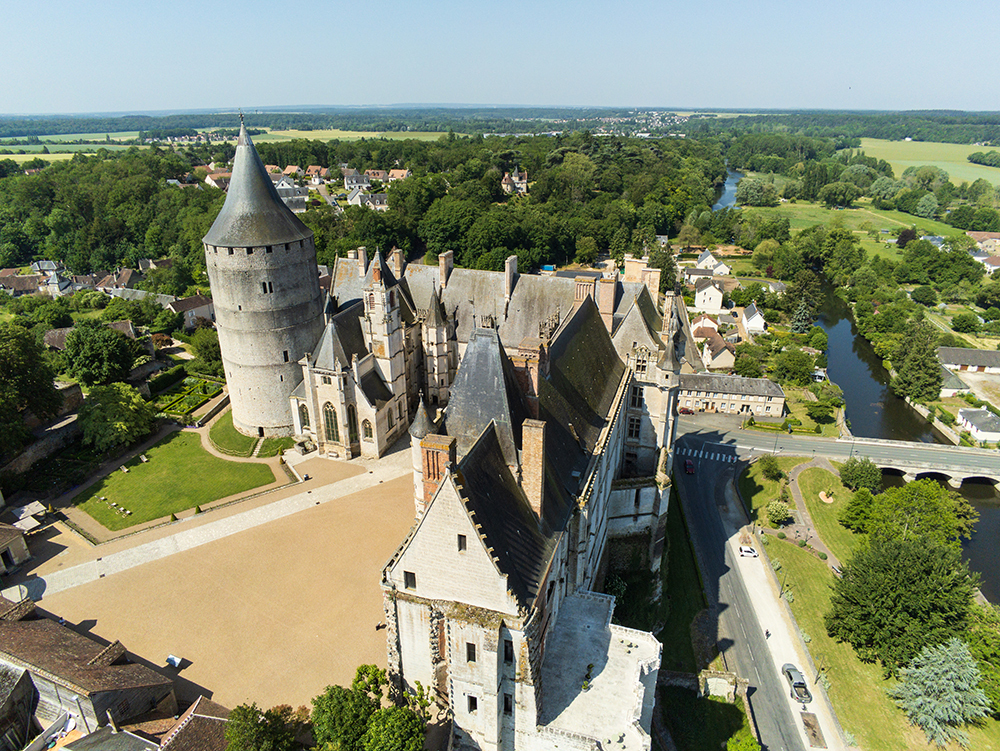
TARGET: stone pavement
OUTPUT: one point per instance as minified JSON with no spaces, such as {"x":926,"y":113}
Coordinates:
{"x":204,"y":528}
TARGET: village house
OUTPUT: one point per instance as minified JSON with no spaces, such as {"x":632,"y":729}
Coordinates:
{"x":982,"y":424}
{"x":753,"y":320}
{"x":193,"y":308}
{"x":708,"y":262}
{"x":377,"y":174}
{"x":717,"y":353}
{"x":355,"y":181}
{"x":399,"y":174}
{"x":731,"y":394}
{"x":708,"y":296}
{"x":515,"y":182}
{"x":972,"y":360}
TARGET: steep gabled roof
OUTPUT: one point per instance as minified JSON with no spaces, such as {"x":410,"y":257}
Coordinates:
{"x":636,"y":328}
{"x":485,"y":390}
{"x":253,"y":214}
{"x":422,"y":424}
{"x":341,"y":340}
{"x":508,"y":525}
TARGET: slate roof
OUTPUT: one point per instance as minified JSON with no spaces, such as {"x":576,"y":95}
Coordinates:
{"x":422,"y":424}
{"x":727,"y":384}
{"x":9,"y":533}
{"x":485,"y":390}
{"x":253,"y":214}
{"x":55,"y":649}
{"x":377,"y":393}
{"x":989,"y":358}
{"x":107,"y":739}
{"x":341,"y":340}
{"x":21,"y":283}
{"x":349,"y":286}
{"x":981,"y":419}
{"x":750,"y":311}
{"x":703,"y":284}
{"x":9,"y":678}
{"x":951,"y":381}
{"x":498,"y":505}
{"x":584,"y":374}
{"x":635,"y":327}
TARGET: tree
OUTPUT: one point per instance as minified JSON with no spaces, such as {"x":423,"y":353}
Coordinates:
{"x":859,"y":472}
{"x":341,"y":716}
{"x":250,"y":729}
{"x":394,"y":729}
{"x":25,"y":384}
{"x":839,"y":194}
{"x":97,"y":354}
{"x":966,"y":323}
{"x":793,"y":366}
{"x":661,"y":258}
{"x":896,"y":595}
{"x":778,"y":513}
{"x":586,"y":250}
{"x":769,"y":467}
{"x":924,"y":295}
{"x":115,"y":415}
{"x":748,"y":367}
{"x":923,"y":509}
{"x":918,"y":374}
{"x":205,"y":343}
{"x":818,"y":338}
{"x":927,"y":207}
{"x":856,"y":514}
{"x":905,"y":237}
{"x":802,"y":320}
{"x":983,"y":638}
{"x":819,"y":412}
{"x":939,"y":691}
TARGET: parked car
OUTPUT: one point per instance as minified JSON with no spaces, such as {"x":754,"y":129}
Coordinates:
{"x":747,"y":552}
{"x":685,"y":411}
{"x":689,"y":466}
{"x":799,"y":690}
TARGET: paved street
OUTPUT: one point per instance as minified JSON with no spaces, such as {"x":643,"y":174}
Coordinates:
{"x":747,"y":602}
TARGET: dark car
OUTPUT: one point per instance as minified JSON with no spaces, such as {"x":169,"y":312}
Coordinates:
{"x":685,"y":411}
{"x":799,"y":692}
{"x":689,"y":466}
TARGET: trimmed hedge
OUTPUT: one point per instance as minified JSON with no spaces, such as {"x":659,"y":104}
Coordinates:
{"x":167,"y":379}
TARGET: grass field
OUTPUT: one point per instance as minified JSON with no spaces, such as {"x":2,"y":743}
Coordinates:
{"x":951,"y":157}
{"x":857,"y":690}
{"x":796,"y":401}
{"x":228,"y":439}
{"x":683,"y":587}
{"x":21,"y":158}
{"x":179,"y":475}
{"x":841,"y":541}
{"x":757,"y":490}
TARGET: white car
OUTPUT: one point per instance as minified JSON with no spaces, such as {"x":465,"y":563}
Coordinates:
{"x":747,"y":552}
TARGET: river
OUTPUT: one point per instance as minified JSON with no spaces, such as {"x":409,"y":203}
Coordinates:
{"x":727,"y":198}
{"x":875,"y":412}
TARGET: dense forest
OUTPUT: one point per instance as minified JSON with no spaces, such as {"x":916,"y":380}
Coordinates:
{"x":587,"y":195}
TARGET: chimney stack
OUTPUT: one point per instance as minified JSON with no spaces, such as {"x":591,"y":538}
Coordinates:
{"x":397,"y":263}
{"x":584,"y":288}
{"x":509,"y":277}
{"x":606,"y":289}
{"x":446,"y":262}
{"x":438,"y":452}
{"x":533,"y":463}
{"x":362,"y":260}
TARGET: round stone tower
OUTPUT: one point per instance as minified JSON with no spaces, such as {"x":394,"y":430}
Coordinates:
{"x":265,"y":287}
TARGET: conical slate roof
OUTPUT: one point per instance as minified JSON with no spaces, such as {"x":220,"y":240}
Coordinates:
{"x":253,"y":215}
{"x":422,"y":424}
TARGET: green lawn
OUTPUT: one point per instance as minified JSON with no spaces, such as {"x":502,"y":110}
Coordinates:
{"x":840,"y":540}
{"x":682,"y":586}
{"x":275,"y":446}
{"x":795,"y":404}
{"x":228,"y":439}
{"x":698,"y":723}
{"x":951,"y":157}
{"x":179,"y":475}
{"x":857,"y":689}
{"x":757,"y":490}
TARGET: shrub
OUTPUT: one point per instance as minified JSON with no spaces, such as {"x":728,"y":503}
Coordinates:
{"x":769,"y":467}
{"x":782,"y":535}
{"x":167,"y":379}
{"x":801,"y":543}
{"x":822,"y":556}
{"x":778,"y":513}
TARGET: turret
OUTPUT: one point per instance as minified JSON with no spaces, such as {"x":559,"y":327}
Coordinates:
{"x":261,"y":264}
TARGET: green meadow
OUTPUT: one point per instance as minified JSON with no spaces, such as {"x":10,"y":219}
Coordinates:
{"x":951,"y":157}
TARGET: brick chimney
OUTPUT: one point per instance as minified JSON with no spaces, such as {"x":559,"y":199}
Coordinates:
{"x":531,"y":365}
{"x":446,"y":262}
{"x":584,"y":289}
{"x":438,"y":452}
{"x":606,"y":289}
{"x":362,"y":260}
{"x":533,"y":463}
{"x":397,"y":263}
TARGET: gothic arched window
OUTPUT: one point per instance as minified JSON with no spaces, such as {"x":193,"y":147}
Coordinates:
{"x":352,"y":423}
{"x":330,"y":423}
{"x":304,"y":416}
{"x":366,"y":430}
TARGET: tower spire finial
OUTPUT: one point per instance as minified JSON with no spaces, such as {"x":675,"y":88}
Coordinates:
{"x":241,"y":115}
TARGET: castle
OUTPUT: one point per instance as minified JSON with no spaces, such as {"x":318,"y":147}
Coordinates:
{"x":538,"y":412}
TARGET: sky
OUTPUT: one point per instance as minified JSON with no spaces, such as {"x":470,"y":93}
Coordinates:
{"x":125,"y":56}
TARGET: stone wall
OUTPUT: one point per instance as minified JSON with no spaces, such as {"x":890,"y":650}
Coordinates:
{"x":54,"y":439}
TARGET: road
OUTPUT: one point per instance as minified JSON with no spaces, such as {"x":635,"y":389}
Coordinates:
{"x":919,"y":456}
{"x":739,"y":635}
